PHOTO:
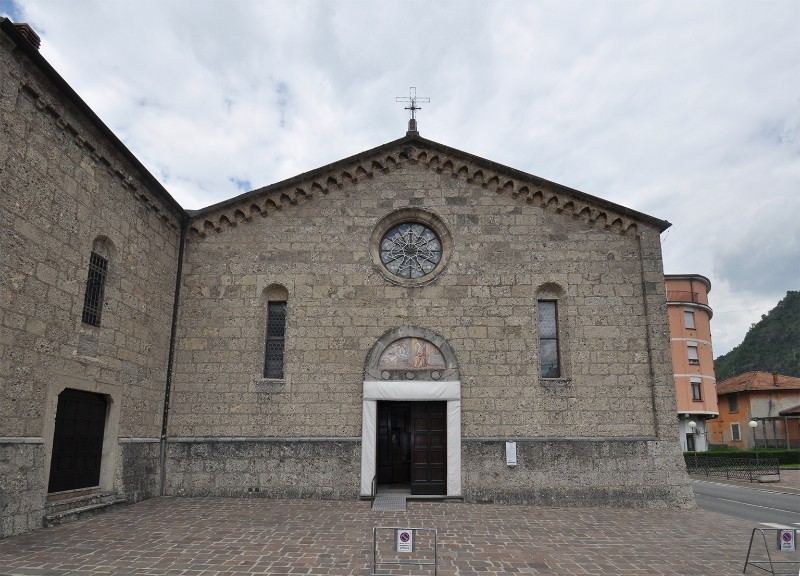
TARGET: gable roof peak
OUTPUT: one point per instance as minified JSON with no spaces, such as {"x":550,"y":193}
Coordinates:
{"x":413,"y":149}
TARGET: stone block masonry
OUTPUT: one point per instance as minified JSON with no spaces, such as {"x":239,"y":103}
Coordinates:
{"x":70,"y":189}
{"x":506,"y":255}
{"x":264,"y":467}
{"x":510,"y":246}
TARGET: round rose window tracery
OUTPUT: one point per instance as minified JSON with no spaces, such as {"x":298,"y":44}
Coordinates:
{"x":410,"y":250}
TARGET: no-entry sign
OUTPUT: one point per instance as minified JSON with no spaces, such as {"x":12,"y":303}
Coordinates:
{"x":405,"y":540}
{"x":787,"y":540}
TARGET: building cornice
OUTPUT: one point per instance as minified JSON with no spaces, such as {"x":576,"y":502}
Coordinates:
{"x":698,"y":277}
{"x":414,"y":150}
{"x":43,"y":104}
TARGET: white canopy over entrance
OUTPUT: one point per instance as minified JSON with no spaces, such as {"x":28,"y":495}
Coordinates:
{"x":411,"y":364}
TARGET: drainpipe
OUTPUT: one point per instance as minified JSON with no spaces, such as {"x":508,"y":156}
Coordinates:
{"x":172,"y":335}
{"x":657,"y":424}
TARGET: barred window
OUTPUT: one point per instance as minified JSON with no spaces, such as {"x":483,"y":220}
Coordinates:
{"x":276,"y":332}
{"x":736,"y":434}
{"x":95,"y":286}
{"x":548,"y":339}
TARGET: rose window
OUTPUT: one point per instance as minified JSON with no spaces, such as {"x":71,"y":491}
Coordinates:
{"x":410,"y":250}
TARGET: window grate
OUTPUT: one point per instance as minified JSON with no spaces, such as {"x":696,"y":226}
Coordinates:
{"x":548,"y":339}
{"x":276,"y":332}
{"x":95,"y":287}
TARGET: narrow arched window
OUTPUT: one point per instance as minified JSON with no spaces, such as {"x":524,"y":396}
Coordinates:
{"x":551,"y":330}
{"x":276,"y":332}
{"x":96,"y":282}
{"x":548,"y":339}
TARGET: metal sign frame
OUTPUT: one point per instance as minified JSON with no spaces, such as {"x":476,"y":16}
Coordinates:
{"x":397,"y":530}
{"x":772,"y":563}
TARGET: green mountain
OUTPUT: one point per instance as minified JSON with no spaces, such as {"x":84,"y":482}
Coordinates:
{"x":771,"y":345}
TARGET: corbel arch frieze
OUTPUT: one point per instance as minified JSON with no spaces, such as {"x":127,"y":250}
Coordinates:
{"x":548,"y":200}
{"x":93,"y":148}
{"x":491,"y":179}
{"x":477,"y":178}
{"x":277,"y":200}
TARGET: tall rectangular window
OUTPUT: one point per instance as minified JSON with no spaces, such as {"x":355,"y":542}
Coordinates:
{"x":276,"y":332}
{"x":548,"y":339}
{"x":693,"y":358}
{"x":736,"y":434}
{"x":688,"y":317}
{"x":733,"y":403}
{"x":697,"y":390}
{"x":95,"y":286}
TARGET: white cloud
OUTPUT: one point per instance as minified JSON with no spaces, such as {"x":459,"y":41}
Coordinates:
{"x":684,"y":110}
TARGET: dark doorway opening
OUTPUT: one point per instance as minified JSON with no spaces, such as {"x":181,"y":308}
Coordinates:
{"x":77,"y":441}
{"x":412,"y":446}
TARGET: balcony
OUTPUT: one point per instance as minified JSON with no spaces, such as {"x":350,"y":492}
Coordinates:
{"x":686,"y":296}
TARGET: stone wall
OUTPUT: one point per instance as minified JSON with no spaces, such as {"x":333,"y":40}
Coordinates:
{"x":69,"y":188}
{"x":271,"y":468}
{"x":23,"y":486}
{"x":139,"y":471}
{"x":483,"y":304}
{"x":590,"y":472}
{"x":508,"y":251}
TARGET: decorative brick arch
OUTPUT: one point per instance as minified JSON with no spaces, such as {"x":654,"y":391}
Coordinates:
{"x":435,"y":380}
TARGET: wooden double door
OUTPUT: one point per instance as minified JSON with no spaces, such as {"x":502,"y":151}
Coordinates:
{"x":412,"y":445}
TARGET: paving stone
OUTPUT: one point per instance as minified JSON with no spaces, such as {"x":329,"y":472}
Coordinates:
{"x":205,"y":536}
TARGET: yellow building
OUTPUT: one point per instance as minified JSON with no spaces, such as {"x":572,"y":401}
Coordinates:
{"x":692,"y":356}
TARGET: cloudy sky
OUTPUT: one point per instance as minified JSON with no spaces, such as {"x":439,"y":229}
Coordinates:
{"x":685,"y":110}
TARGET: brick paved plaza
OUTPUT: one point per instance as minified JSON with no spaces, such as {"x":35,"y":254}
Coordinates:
{"x":204,"y":536}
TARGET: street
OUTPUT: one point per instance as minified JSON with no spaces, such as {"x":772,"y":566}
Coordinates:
{"x":758,"y":504}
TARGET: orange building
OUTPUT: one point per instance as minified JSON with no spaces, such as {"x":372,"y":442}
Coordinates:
{"x":692,"y":356}
{"x":770,"y":400}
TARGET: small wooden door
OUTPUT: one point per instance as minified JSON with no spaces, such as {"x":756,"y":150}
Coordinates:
{"x":394,"y":443}
{"x":429,"y":448}
{"x":77,"y":441}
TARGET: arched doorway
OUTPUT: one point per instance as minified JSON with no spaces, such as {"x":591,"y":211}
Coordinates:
{"x":411,"y":427}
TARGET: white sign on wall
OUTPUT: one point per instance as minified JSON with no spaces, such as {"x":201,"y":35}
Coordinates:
{"x":511,"y":453}
{"x":405,"y":540}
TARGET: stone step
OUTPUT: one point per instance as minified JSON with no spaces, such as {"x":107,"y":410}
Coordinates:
{"x":61,"y":511}
{"x":62,"y":501}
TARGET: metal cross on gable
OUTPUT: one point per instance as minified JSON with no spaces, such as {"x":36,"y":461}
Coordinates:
{"x":412,"y":100}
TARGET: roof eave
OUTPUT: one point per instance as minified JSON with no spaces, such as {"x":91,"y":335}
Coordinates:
{"x":50,"y":73}
{"x":414,"y":138}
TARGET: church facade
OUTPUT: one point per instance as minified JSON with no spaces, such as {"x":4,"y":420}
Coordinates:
{"x":413,"y":315}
